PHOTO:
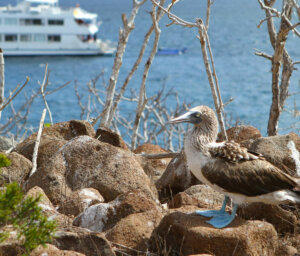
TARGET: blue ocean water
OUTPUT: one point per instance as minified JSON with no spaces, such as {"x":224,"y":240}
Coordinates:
{"x":233,"y":35}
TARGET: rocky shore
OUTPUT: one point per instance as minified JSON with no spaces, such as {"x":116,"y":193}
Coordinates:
{"x":108,"y":200}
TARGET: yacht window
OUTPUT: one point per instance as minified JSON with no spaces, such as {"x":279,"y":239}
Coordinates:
{"x":0,"y":38}
{"x":0,"y":21}
{"x":53,"y":38}
{"x":30,"y":22}
{"x":39,"y":38}
{"x":11,"y":38}
{"x":11,"y":21}
{"x":56,"y":22}
{"x":25,"y":38}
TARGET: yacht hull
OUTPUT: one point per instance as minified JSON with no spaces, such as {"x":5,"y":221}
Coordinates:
{"x":47,"y":52}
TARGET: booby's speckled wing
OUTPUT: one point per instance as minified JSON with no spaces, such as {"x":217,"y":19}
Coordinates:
{"x":250,"y":178}
{"x":231,"y":151}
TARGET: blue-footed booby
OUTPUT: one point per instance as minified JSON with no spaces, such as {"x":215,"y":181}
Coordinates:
{"x":230,"y":169}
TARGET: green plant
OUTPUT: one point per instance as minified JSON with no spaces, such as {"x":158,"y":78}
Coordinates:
{"x":24,"y":214}
{"x":4,"y":160}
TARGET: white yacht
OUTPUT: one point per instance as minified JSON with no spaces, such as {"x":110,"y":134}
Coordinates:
{"x":41,"y":27}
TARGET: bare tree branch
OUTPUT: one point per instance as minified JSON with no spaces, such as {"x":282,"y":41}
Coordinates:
{"x":124,"y":33}
{"x":2,"y":80}
{"x":212,"y":78}
{"x":13,"y":96}
{"x":207,"y":14}
{"x":142,"y":96}
{"x":159,"y":156}
{"x":282,"y":64}
{"x":262,"y":54}
{"x":135,"y":67}
{"x":42,"y":88}
{"x":37,"y":143}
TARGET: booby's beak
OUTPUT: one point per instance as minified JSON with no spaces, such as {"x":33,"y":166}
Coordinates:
{"x":185,"y":118}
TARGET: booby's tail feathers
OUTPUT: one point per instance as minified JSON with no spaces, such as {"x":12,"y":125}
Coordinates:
{"x":293,"y":196}
{"x":297,"y":180}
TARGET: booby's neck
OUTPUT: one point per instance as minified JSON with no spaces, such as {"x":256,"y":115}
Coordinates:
{"x":200,"y":136}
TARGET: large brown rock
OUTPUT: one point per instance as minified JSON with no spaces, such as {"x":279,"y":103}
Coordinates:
{"x":102,"y":217}
{"x":83,"y":241}
{"x":284,"y":221}
{"x":11,"y":246}
{"x":205,"y":195}
{"x":18,"y":170}
{"x":51,"y":250}
{"x":209,"y":200}
{"x":128,"y":220}
{"x":190,"y":234}
{"x":135,"y":230}
{"x":177,"y":176}
{"x":281,"y":150}
{"x":108,"y":136}
{"x":85,"y":162}
{"x":295,"y":241}
{"x":5,"y":143}
{"x":241,"y":133}
{"x":286,"y":250}
{"x":53,"y":138}
{"x":152,"y":167}
{"x":181,"y":199}
{"x":80,"y":200}
{"x":48,"y":209}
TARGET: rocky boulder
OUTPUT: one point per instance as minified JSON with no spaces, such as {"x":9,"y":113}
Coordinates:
{"x":53,"y":138}
{"x":182,"y":199}
{"x":188,"y":233}
{"x":108,"y":136}
{"x":205,"y":195}
{"x":85,"y":162}
{"x":241,"y":133}
{"x":51,"y":250}
{"x":286,"y":250}
{"x":83,"y":241}
{"x":128,"y":220}
{"x":101,"y":217}
{"x":10,"y":246}
{"x":135,"y":230}
{"x":80,"y":200}
{"x":281,"y":150}
{"x":18,"y":171}
{"x":284,"y":221}
{"x":48,"y":209}
{"x":5,"y":143}
{"x":176,"y":177}
{"x":152,"y":167}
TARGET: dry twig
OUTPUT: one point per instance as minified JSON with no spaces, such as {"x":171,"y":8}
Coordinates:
{"x":42,"y":88}
{"x":128,"y":26}
{"x":37,"y":143}
{"x":2,"y":80}
{"x":282,"y":64}
{"x":204,"y":41}
{"x":142,"y":96}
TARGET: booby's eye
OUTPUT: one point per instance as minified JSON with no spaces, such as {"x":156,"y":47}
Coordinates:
{"x":196,"y":118}
{"x":196,"y":114}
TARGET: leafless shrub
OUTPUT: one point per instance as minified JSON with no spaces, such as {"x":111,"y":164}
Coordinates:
{"x":282,"y":64}
{"x":16,"y":124}
{"x":153,"y":120}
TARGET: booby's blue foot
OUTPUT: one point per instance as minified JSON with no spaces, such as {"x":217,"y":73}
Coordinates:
{"x":223,"y":220}
{"x":213,"y":213}
{"x":209,"y":213}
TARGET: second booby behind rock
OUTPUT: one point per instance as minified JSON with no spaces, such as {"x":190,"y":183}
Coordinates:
{"x":228,"y":168}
